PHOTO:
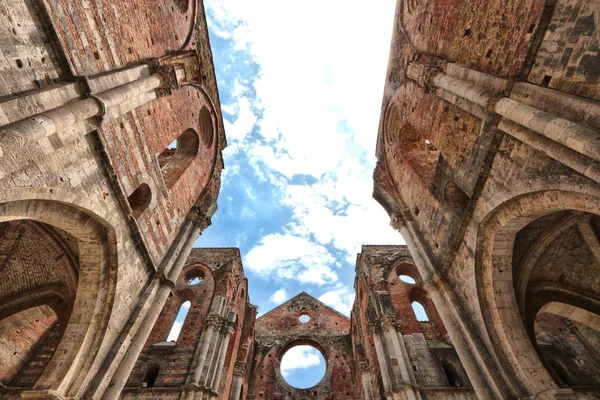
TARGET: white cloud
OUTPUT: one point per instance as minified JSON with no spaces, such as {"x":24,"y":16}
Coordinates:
{"x":244,"y":122}
{"x":340,"y":299}
{"x":279,"y":296}
{"x":314,"y":107}
{"x":299,"y":357}
{"x":291,"y":257}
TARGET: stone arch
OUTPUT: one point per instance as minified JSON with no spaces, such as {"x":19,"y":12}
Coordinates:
{"x":68,"y":369}
{"x":408,"y":145}
{"x":456,"y":198}
{"x":419,"y":295}
{"x":507,"y":215}
{"x":174,"y":161}
{"x":140,"y":199}
{"x":199,"y":295}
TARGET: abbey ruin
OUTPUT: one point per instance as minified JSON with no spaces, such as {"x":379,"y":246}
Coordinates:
{"x":111,"y":140}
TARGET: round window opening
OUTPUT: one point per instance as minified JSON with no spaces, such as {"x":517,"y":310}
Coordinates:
{"x":407,"y":279}
{"x":304,"y":318}
{"x":303,"y":366}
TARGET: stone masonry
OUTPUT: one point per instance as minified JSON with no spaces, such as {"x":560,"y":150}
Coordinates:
{"x":488,"y":154}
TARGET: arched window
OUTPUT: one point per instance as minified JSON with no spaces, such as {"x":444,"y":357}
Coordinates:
{"x":419,"y":311}
{"x":407,"y":279}
{"x":194,"y":278}
{"x":140,"y":199}
{"x":206,"y":127}
{"x":175,"y":159}
{"x":451,"y":373}
{"x":179,"y":320}
{"x":456,"y":198}
{"x":150,"y":376}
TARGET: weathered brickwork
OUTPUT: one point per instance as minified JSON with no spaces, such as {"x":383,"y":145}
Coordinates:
{"x":405,"y":356}
{"x":210,"y":277}
{"x":499,"y":210}
{"x":280,"y":329}
{"x":91,"y":226}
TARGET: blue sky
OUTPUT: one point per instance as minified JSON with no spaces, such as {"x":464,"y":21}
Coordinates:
{"x":300,"y":85}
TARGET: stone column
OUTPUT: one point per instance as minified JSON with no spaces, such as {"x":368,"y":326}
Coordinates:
{"x":13,"y":137}
{"x":228,"y":331}
{"x":383,"y":365}
{"x":167,"y":283}
{"x":365,"y":377}
{"x":239,"y":372}
{"x":484,"y":376}
{"x":404,"y":378}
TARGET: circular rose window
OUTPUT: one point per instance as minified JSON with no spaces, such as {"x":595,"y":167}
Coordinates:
{"x":303,"y":366}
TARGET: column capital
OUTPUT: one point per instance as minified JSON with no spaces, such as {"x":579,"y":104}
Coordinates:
{"x":199,"y":218}
{"x":364,"y":366}
{"x":165,"y":281}
{"x":397,"y":221}
{"x":422,"y":73}
{"x":214,"y":321}
{"x":239,"y":369}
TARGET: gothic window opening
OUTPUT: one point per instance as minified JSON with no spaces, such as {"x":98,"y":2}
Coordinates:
{"x":179,"y":321}
{"x":419,"y":311}
{"x":451,"y":373}
{"x":140,"y":199}
{"x":194,"y":278}
{"x":177,"y":157}
{"x":151,"y":375}
{"x":407,"y":279}
{"x":456,"y":198}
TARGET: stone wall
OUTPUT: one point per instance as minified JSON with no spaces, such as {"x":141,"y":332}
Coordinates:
{"x":509,"y":193}
{"x":87,"y":103}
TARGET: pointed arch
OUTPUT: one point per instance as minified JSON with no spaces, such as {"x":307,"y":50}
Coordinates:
{"x":177,"y":157}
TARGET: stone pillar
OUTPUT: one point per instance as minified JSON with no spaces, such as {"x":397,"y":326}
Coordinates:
{"x":484,"y":376}
{"x":166,"y":284}
{"x":207,"y":366}
{"x":383,"y":365}
{"x":366,"y":380}
{"x":14,"y":137}
{"x":570,"y":134}
{"x":221,"y":360}
{"x":239,"y":372}
{"x":485,"y":96}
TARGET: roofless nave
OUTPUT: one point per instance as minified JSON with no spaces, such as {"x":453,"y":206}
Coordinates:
{"x":488,"y":165}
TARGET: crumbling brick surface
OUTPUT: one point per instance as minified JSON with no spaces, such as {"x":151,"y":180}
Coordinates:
{"x":280,"y":329}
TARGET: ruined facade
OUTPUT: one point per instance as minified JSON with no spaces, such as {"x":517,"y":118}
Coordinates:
{"x":488,"y":165}
{"x":110,"y":161}
{"x":224,"y":352}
